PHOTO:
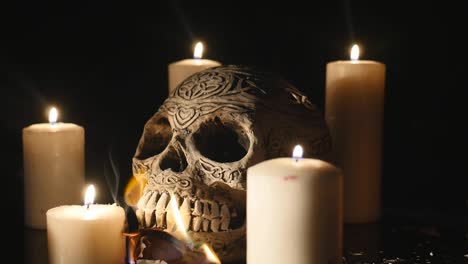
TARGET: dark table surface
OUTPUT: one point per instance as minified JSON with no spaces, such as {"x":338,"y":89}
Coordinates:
{"x":402,"y":236}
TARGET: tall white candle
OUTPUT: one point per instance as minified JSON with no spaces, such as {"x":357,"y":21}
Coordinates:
{"x":354,"y":113}
{"x":294,"y":211}
{"x":80,"y":234}
{"x":53,"y":161}
{"x":180,"y":70}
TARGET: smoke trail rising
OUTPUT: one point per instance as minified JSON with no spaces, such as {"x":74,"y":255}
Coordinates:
{"x":114,"y":188}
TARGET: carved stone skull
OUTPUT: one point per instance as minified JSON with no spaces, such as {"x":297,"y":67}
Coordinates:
{"x":195,"y":150}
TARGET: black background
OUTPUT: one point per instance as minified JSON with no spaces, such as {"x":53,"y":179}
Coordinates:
{"x":104,"y":65}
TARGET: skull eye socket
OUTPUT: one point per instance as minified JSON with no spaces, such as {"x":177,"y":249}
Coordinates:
{"x":221,"y":142}
{"x":157,"y":135}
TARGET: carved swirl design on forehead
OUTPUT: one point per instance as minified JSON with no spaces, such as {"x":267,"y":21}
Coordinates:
{"x":210,"y":91}
{"x":186,"y":113}
{"x":204,"y":85}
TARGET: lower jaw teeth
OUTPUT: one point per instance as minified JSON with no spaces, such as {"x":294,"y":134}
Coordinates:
{"x":215,"y":223}
{"x":206,"y":224}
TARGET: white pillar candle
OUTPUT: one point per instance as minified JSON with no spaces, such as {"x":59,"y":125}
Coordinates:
{"x":354,"y":113}
{"x":180,"y":70}
{"x":294,"y":212}
{"x":53,"y":161}
{"x":80,"y":234}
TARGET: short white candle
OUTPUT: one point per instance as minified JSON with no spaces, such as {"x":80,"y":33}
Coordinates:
{"x":180,"y":70}
{"x":294,"y":211}
{"x":53,"y":161}
{"x":80,"y":234}
{"x":354,"y":113}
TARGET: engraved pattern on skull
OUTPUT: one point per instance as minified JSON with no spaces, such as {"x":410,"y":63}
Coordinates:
{"x":195,"y":150}
{"x":214,"y":173}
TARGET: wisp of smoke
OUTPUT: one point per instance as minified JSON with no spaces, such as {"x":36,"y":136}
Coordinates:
{"x":113,"y":187}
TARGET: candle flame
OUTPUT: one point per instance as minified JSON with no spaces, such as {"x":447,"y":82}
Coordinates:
{"x":297,"y":152}
{"x":198,"y":51}
{"x":355,"y":52}
{"x":89,"y":195}
{"x":53,"y":114}
{"x":210,"y":255}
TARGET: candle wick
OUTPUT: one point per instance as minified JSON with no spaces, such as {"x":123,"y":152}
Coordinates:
{"x":87,"y":205}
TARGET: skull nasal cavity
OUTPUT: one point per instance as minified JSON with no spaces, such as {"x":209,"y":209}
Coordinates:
{"x":174,"y":160}
{"x":221,"y":142}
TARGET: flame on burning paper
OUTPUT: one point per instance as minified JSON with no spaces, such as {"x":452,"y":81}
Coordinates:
{"x":134,"y":189}
{"x":210,"y":255}
{"x":177,"y":227}
{"x":180,"y":228}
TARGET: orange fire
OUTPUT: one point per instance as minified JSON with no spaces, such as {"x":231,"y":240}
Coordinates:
{"x":134,"y":189}
{"x":133,"y":192}
{"x":210,"y":255}
{"x":132,"y":246}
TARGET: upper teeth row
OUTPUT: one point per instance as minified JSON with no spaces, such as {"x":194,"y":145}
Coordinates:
{"x":158,"y":210}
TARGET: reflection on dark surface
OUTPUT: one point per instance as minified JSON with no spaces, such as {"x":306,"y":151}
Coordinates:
{"x":408,"y":237}
{"x":362,"y":242}
{"x":401,"y":237}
